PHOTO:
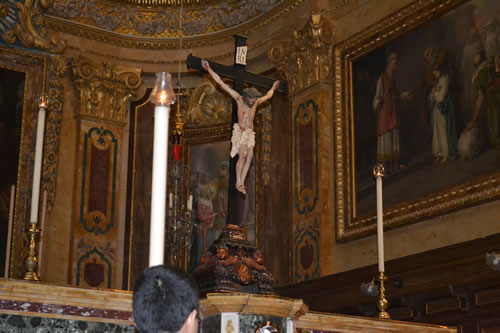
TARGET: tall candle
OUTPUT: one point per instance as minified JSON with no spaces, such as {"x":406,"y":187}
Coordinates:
{"x":170,"y":200}
{"x":190,"y":202}
{"x":9,"y":229}
{"x":380,"y":225}
{"x":159,"y":187}
{"x":35,"y":194}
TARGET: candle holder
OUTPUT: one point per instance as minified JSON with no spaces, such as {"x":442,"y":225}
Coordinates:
{"x":382,"y":303}
{"x":378,"y":170}
{"x":31,"y":262}
{"x":180,"y":216}
{"x":43,"y":101}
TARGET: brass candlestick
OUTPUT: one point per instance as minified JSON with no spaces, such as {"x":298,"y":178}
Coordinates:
{"x":31,"y":262}
{"x":382,"y":303}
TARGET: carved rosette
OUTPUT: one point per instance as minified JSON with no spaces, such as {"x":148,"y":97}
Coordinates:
{"x":30,"y":28}
{"x":305,"y":58}
{"x":104,"y":89}
{"x":57,"y":68}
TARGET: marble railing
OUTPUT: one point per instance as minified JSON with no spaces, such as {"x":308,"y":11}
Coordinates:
{"x":37,"y":307}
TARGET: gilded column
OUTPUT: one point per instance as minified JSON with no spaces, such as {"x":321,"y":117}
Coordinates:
{"x":103,"y":92}
{"x":305,"y":61}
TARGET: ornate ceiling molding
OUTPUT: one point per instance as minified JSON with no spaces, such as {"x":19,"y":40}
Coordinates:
{"x":160,"y":22}
{"x":160,"y":42}
{"x":165,"y":3}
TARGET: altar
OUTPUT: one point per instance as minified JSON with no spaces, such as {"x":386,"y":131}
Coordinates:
{"x":38,"y":307}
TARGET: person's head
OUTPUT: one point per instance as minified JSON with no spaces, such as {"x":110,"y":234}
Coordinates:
{"x":437,"y":73}
{"x":429,"y":55}
{"x":472,"y":36}
{"x":479,"y":57}
{"x":224,"y":168}
{"x":439,"y":68}
{"x":250,"y":95}
{"x":209,"y":191}
{"x":491,"y":26}
{"x":391,"y":63}
{"x":165,"y":300}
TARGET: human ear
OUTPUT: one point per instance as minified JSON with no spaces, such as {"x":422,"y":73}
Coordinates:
{"x":192,"y":322}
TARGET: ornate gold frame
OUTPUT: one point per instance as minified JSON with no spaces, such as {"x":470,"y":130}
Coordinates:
{"x":35,"y":68}
{"x":348,"y":225}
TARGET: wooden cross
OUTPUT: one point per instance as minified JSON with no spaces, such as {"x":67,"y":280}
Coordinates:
{"x":239,"y":76}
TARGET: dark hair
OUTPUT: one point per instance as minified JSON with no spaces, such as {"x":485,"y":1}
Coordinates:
{"x":163,"y":298}
{"x":251,"y":93}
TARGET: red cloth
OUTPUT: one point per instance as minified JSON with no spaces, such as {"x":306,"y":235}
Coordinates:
{"x":177,"y":153}
{"x":387,"y":116}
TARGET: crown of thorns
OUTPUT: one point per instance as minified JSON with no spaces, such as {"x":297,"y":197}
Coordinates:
{"x":251,"y":93}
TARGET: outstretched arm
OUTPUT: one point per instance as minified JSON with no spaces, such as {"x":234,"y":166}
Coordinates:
{"x":269,"y":93}
{"x":218,"y":80}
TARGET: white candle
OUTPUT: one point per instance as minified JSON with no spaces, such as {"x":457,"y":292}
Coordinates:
{"x":159,"y":187}
{"x":9,"y":228}
{"x":170,"y":200}
{"x":42,"y":231}
{"x":190,"y":202}
{"x":35,"y":194}
{"x":380,"y":225}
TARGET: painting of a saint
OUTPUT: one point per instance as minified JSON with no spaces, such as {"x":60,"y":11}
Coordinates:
{"x":425,"y":105}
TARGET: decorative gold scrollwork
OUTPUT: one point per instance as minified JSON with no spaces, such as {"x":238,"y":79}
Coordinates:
{"x":57,"y":69}
{"x":105,"y":89}
{"x":208,"y":106}
{"x":31,"y":30}
{"x":300,"y":62}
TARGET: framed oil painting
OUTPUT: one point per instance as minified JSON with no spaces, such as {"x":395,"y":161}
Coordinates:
{"x":11,"y":114}
{"x":208,"y":160}
{"x":22,"y":80}
{"x":418,"y":92}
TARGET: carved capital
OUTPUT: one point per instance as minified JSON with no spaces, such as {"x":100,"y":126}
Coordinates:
{"x":104,"y":89}
{"x":305,"y":57}
{"x":30,"y":28}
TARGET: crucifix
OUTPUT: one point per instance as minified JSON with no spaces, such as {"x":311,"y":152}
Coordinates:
{"x":239,"y":76}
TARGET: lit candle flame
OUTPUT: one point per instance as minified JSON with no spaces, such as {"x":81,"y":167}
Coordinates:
{"x":163,"y":97}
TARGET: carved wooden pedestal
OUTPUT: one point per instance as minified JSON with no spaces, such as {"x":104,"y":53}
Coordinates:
{"x":232,"y":264}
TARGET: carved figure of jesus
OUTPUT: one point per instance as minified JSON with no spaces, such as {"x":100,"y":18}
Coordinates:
{"x":243,"y":137}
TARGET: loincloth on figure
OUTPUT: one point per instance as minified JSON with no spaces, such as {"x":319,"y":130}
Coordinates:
{"x":239,"y":137}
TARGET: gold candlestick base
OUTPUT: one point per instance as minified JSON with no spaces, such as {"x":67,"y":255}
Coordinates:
{"x":31,"y":262}
{"x":382,"y":303}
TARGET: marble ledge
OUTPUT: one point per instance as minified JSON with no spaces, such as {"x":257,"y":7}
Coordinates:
{"x":217,"y":303}
{"x":38,"y":299}
{"x":348,"y":324}
{"x":18,"y":297}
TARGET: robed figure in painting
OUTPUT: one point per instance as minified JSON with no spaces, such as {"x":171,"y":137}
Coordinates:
{"x":486,"y":83}
{"x":443,"y":123}
{"x":388,"y":122}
